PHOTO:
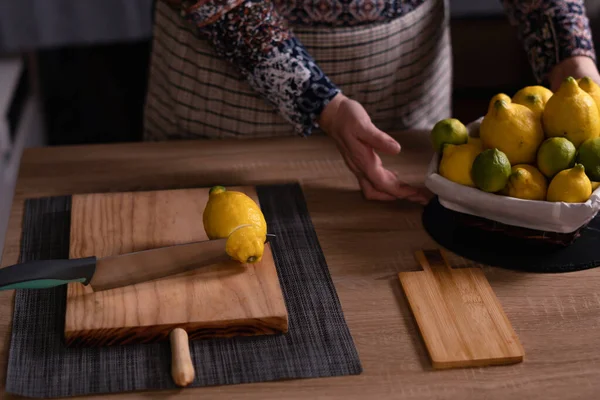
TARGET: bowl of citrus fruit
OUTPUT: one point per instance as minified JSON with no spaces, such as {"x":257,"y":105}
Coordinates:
{"x":531,"y":161}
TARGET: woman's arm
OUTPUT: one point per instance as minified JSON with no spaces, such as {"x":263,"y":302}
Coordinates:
{"x":556,"y":35}
{"x":255,"y":39}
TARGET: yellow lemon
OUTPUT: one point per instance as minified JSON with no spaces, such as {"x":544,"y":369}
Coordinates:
{"x":533,"y":97}
{"x":571,"y":113}
{"x":570,"y":186}
{"x":526,"y":182}
{"x":514,"y":130}
{"x":235,"y":216}
{"x":590,"y":87}
{"x":246,"y":244}
{"x":457,"y":161}
{"x":499,"y":96}
{"x":475,"y":142}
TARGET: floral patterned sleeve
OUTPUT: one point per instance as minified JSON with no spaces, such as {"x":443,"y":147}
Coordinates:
{"x":551,"y":31}
{"x":254,"y":37}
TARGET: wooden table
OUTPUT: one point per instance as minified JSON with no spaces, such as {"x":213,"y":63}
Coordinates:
{"x":557,"y":317}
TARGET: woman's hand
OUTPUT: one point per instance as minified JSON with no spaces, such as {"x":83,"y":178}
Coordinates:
{"x":357,"y":139}
{"x":577,"y":67}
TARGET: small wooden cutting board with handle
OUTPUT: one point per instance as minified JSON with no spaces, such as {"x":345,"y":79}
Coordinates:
{"x":459,"y":315}
{"x":222,"y":300}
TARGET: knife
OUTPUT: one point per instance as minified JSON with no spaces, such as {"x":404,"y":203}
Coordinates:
{"x":115,"y":271}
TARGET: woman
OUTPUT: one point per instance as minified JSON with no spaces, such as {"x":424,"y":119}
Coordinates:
{"x":351,"y":68}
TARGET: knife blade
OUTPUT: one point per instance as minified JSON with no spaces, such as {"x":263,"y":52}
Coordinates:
{"x":115,"y":271}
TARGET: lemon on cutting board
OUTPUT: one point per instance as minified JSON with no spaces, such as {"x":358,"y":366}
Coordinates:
{"x":571,"y":113}
{"x":570,"y":186}
{"x":235,"y":216}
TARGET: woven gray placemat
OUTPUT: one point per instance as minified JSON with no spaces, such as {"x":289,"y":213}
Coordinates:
{"x":318,"y":343}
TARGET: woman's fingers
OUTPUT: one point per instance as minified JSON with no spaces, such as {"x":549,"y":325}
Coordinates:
{"x":378,"y":140}
{"x":366,"y":131}
{"x":358,"y":139}
{"x":367,"y":188}
{"x":422,"y":196}
{"x":371,"y":193}
{"x":417,"y":194}
{"x":371,"y":166}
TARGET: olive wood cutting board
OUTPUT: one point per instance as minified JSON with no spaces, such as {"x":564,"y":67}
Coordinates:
{"x":460,"y":318}
{"x":221,"y":300}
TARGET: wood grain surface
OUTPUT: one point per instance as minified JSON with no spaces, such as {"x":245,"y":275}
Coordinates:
{"x":224,"y":299}
{"x":461,"y":320}
{"x":366,"y":244}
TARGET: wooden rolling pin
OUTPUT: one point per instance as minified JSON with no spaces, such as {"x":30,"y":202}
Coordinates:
{"x":182,"y":369}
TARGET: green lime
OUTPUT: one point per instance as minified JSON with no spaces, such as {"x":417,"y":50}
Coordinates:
{"x":448,"y":131}
{"x":554,"y":155}
{"x":588,"y":154}
{"x":490,"y":170}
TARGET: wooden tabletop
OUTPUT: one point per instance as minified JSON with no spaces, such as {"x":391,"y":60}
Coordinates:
{"x":557,"y":317}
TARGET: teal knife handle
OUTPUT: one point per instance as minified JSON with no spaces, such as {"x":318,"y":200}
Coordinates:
{"x":44,"y":274}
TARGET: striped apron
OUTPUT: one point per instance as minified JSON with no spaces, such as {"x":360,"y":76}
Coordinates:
{"x":400,"y":71}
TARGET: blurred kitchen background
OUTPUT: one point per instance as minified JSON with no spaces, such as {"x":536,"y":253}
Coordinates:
{"x":75,"y":71}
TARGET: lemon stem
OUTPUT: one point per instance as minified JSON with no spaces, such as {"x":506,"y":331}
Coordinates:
{"x":216,"y":189}
{"x":570,"y":85}
{"x":586,"y":81}
{"x":500,"y":105}
{"x":532,"y":98}
{"x":519,"y":173}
